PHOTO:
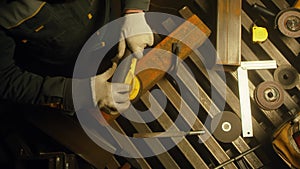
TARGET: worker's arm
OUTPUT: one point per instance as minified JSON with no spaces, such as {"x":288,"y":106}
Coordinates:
{"x":24,"y":87}
{"x":137,"y":4}
{"x":20,"y":86}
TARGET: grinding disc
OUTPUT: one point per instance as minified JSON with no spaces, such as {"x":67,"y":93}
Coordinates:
{"x":288,"y":23}
{"x":269,"y":95}
{"x":287,"y":76}
{"x":226,"y":127}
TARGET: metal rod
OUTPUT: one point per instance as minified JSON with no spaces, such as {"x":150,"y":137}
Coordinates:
{"x":167,"y":134}
{"x":238,"y":157}
{"x":262,"y":9}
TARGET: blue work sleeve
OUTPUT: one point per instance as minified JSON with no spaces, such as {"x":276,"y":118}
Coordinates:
{"x":137,"y":4}
{"x":24,"y":87}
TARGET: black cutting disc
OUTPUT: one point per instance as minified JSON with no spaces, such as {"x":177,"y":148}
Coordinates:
{"x":287,"y":76}
{"x":226,"y":127}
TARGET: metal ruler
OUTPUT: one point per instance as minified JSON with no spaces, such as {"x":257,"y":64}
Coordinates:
{"x":244,"y":95}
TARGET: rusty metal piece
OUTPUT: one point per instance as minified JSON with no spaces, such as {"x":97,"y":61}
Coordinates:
{"x":269,"y":95}
{"x":287,"y":76}
{"x":288,"y":22}
{"x":226,"y":127}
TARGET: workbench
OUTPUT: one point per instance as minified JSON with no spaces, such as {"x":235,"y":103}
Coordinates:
{"x":190,"y":152}
{"x":197,"y":151}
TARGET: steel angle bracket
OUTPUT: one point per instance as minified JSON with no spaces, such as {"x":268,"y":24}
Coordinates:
{"x":245,"y":107}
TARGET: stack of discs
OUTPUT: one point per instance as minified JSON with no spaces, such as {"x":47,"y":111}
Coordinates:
{"x":226,"y":127}
{"x":269,"y":95}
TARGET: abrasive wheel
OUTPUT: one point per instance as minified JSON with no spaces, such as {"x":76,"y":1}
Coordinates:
{"x":287,"y":76}
{"x":269,"y":95}
{"x":288,"y":23}
{"x":226,"y":127}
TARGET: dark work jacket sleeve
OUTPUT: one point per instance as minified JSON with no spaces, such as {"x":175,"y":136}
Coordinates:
{"x":21,"y":86}
{"x":137,"y":4}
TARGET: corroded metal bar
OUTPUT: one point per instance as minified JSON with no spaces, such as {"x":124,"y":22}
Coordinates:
{"x":162,"y":61}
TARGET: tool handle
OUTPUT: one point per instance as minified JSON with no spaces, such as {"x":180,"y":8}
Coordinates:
{"x":197,"y":132}
{"x":262,"y":9}
{"x":123,"y":67}
{"x":297,"y":4}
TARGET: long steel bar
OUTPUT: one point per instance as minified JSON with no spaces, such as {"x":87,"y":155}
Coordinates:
{"x":229,"y":32}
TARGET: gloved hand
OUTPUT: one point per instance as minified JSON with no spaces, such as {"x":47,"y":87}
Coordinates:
{"x":112,"y":96}
{"x":136,"y":34}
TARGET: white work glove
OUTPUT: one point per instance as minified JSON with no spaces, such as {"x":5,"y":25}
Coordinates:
{"x":110,"y":96}
{"x":136,"y":34}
